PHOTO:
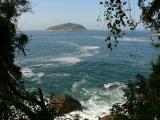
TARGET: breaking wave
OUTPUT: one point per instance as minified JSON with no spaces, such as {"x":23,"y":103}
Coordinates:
{"x":77,"y":84}
{"x":115,"y":85}
{"x":130,"y":39}
{"x":27,"y":72}
{"x":67,"y":60}
{"x":97,"y":102}
{"x":64,"y":59}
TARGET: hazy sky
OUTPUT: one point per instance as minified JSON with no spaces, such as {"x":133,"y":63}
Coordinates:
{"x":48,"y":13}
{"x":52,"y":12}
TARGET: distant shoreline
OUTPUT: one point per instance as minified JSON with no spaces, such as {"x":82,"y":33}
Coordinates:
{"x":66,"y":30}
{"x":88,"y":30}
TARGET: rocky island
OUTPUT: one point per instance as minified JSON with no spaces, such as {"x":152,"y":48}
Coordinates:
{"x":68,"y":27}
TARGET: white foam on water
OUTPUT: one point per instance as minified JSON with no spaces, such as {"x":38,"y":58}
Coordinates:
{"x":96,"y":52}
{"x":64,"y":59}
{"x":98,"y":102}
{"x":77,"y":84}
{"x":27,"y":72}
{"x":61,"y":74}
{"x":67,"y":60}
{"x":87,"y":51}
{"x":72,"y":58}
{"x":44,"y":65}
{"x":47,"y":62}
{"x":130,"y":39}
{"x":86,"y":48}
{"x":69,"y":43}
{"x":39,"y":75}
{"x":19,"y":62}
{"x":112,"y":86}
{"x":36,"y":65}
{"x":86,"y":55}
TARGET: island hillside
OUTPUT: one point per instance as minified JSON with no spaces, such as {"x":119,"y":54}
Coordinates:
{"x":67,"y":27}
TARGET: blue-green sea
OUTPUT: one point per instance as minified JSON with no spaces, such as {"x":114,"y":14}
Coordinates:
{"x":79,"y":64}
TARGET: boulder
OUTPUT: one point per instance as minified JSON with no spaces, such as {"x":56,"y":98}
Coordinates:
{"x":107,"y":117}
{"x":64,"y":104}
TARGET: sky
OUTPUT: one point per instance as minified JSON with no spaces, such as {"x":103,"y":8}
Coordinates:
{"x":48,"y":13}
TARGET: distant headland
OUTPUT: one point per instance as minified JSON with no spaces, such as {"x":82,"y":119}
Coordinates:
{"x":67,"y":27}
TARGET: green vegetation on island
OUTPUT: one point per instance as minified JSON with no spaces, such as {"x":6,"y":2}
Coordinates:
{"x":68,"y":27}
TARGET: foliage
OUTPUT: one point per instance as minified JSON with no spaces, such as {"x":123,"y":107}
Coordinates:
{"x":142,"y":98}
{"x":118,"y":16}
{"x":15,"y":101}
{"x":142,"y":95}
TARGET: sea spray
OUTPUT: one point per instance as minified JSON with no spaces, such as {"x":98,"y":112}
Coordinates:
{"x":97,"y":102}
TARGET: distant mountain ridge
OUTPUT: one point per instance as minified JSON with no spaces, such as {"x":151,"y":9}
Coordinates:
{"x":67,"y":27}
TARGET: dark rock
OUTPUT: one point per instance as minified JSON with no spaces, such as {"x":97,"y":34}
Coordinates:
{"x":107,"y":117}
{"x":64,"y":104}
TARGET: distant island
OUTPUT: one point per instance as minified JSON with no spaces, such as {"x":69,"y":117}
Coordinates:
{"x":68,"y":27}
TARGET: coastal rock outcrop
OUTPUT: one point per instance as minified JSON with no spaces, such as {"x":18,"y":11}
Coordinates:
{"x":107,"y":117}
{"x":68,"y":27}
{"x":64,"y":104}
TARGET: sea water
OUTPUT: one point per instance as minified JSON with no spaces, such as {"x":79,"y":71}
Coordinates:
{"x":79,"y":64}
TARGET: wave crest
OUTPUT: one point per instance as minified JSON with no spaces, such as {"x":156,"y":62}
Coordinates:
{"x":67,"y":60}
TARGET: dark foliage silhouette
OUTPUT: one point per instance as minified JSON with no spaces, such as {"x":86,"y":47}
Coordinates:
{"x":142,"y":95}
{"x":15,"y":101}
{"x":118,"y":16}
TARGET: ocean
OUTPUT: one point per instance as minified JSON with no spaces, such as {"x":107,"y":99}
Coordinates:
{"x":79,"y":64}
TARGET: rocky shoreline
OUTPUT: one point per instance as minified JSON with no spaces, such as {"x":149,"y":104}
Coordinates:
{"x":64,"y":104}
